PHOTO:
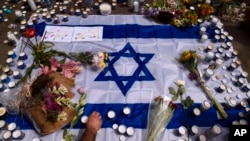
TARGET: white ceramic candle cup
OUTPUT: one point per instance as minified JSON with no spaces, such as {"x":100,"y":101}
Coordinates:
{"x":105,"y":9}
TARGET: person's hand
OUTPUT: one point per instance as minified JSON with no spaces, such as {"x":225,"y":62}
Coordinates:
{"x":94,"y":122}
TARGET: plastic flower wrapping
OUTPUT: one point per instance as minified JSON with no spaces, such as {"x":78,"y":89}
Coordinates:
{"x":161,"y":112}
{"x":46,"y":98}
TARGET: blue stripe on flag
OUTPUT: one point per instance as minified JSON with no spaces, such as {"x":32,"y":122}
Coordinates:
{"x":139,"y":116}
{"x":142,"y":31}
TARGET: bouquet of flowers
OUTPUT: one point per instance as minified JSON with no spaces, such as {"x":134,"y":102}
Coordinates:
{"x":162,"y":111}
{"x":232,"y":10}
{"x":45,"y":58}
{"x":47,"y":102}
{"x":180,"y":13}
{"x":190,"y":60}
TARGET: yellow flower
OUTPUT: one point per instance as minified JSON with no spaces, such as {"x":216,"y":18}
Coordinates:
{"x":186,"y":56}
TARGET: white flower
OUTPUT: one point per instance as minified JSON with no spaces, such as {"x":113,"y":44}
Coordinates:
{"x":180,"y":83}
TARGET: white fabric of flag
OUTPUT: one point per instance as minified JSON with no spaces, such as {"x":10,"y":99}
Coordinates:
{"x":163,"y":66}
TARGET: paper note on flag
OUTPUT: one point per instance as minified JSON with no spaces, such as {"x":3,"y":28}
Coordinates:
{"x":87,"y":34}
{"x":58,"y":33}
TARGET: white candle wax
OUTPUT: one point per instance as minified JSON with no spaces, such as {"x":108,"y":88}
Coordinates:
{"x":105,"y":9}
{"x":32,"y":4}
{"x":136,"y":6}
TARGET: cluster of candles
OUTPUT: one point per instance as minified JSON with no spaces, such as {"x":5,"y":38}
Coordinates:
{"x":209,"y":134}
{"x":224,"y":55}
{"x":122,"y":130}
{"x":9,"y":75}
{"x":11,"y":131}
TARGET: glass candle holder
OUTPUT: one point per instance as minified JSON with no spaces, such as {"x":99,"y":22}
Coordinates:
{"x":18,"y":135}
{"x":205,"y":105}
{"x":4,"y":78}
{"x":12,"y":54}
{"x":7,"y":135}
{"x":23,"y":56}
{"x":21,"y":65}
{"x":17,"y":74}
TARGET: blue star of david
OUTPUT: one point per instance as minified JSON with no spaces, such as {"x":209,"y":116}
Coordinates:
{"x":140,"y":59}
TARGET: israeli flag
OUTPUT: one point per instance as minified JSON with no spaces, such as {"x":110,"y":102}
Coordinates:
{"x":141,"y":66}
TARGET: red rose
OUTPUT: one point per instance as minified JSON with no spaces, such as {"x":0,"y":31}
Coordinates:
{"x":30,"y":32}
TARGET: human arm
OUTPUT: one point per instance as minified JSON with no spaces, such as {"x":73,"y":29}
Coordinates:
{"x":93,"y":125}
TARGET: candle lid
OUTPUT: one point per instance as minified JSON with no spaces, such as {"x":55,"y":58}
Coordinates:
{"x":222,"y":86}
{"x":9,"y":60}
{"x":244,"y":103}
{"x":243,"y":122}
{"x":227,"y":98}
{"x":84,"y":119}
{"x":122,"y":129}
{"x":111,"y":114}
{"x":248,"y":94}
{"x":235,"y":122}
{"x":241,"y":114}
{"x":6,"y":134}
{"x":16,"y":134}
{"x":202,"y":138}
{"x":15,"y":72}
{"x":11,"y":52}
{"x":216,"y":129}
{"x":126,"y":110}
{"x":2,"y":123}
{"x":130,"y":131}
{"x":122,"y":138}
{"x":6,"y":69}
{"x":194,"y":129}
{"x":12,"y":126}
{"x":3,"y":76}
{"x":35,"y":139}
{"x":2,"y":111}
{"x":115,"y":126}
{"x":219,"y":61}
{"x":11,"y":84}
{"x":238,"y":96}
{"x":196,"y":111}
{"x":206,"y":104}
{"x":182,"y":130}
{"x":232,"y":102}
{"x":19,"y":62}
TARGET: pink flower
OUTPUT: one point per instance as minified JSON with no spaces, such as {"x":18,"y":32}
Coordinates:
{"x":71,"y":67}
{"x":81,"y":90}
{"x":68,"y":73}
{"x":44,"y":69}
{"x":54,"y":64}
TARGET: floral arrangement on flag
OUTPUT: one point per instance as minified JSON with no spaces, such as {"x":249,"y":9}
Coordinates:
{"x":180,"y":13}
{"x":190,"y":60}
{"x":232,"y":10}
{"x":45,"y":57}
{"x":161,"y":112}
{"x":47,"y":98}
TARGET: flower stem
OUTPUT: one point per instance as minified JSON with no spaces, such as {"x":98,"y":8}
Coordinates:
{"x":185,"y":116}
{"x":215,"y":102}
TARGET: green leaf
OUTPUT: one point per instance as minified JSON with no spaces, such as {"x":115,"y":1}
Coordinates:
{"x":172,"y":91}
{"x":175,"y":97}
{"x":188,"y":102}
{"x":65,"y":132}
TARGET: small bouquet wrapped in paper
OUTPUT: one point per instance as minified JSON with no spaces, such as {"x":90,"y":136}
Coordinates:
{"x":162,"y":111}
